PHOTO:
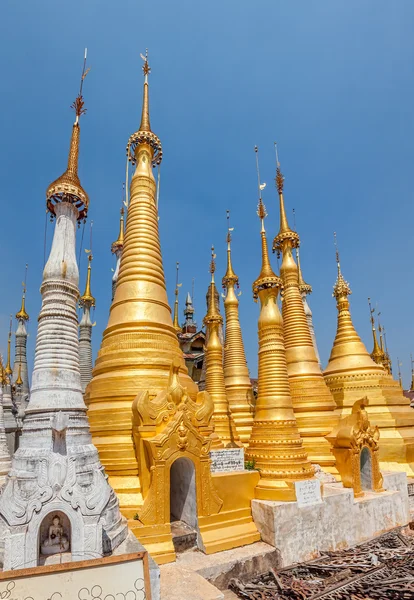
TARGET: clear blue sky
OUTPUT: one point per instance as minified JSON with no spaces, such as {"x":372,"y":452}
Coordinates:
{"x":332,"y":82}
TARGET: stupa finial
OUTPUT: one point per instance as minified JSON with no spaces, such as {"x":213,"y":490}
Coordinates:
{"x":230,"y":278}
{"x":267,"y":277}
{"x":119,"y":243}
{"x":22,"y":314}
{"x":67,"y":187}
{"x":144,"y":135}
{"x":342,"y":289}
{"x":376,"y":353}
{"x":8,"y":370}
{"x":285,"y":232}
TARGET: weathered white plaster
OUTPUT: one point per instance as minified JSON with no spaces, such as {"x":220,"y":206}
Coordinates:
{"x":340,"y":521}
{"x":20,"y":363}
{"x":10,"y":423}
{"x":5,"y":460}
{"x":56,"y":467}
{"x":85,"y":347}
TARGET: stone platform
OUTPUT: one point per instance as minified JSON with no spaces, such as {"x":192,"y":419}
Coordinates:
{"x":206,"y":577}
{"x":339,"y":521}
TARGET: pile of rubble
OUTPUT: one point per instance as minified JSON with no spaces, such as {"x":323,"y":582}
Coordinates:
{"x":381,"y":568}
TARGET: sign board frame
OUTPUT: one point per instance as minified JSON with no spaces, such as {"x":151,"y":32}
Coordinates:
{"x":11,"y":576}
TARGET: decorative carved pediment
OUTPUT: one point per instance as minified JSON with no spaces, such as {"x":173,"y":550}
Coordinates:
{"x":352,"y":437}
{"x":166,"y":428}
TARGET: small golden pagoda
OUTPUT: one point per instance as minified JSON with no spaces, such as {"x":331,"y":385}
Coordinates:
{"x":314,"y":407}
{"x":236,"y":374}
{"x":275,"y":446}
{"x":140,"y":343}
{"x":351,"y":372}
{"x":223,"y":420}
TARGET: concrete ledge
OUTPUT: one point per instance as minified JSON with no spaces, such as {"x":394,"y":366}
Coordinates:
{"x":178,"y":583}
{"x":339,"y":521}
{"x":243,"y":563}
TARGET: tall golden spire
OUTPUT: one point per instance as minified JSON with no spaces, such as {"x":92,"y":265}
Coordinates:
{"x":223,"y":421}
{"x":376,"y":353}
{"x":304,"y":287}
{"x":87,"y":298}
{"x":68,"y":186}
{"x":312,"y":401}
{"x":8,"y":370}
{"x":22,"y":314}
{"x":399,"y":374}
{"x":275,"y":445}
{"x":236,"y":374}
{"x":119,"y":243}
{"x":139,"y":343}
{"x":145,"y":118}
{"x":177,"y":286}
{"x":351,"y":373}
{"x":19,"y":380}
{"x":285,"y":232}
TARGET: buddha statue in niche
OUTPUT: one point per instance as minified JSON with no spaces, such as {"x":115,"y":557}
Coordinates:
{"x":57,"y":540}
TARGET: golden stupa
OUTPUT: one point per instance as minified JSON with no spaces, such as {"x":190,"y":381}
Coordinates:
{"x":236,"y":373}
{"x":139,"y":343}
{"x":275,"y":446}
{"x":222,"y":417}
{"x":151,"y":425}
{"x":314,"y":406}
{"x":351,"y":373}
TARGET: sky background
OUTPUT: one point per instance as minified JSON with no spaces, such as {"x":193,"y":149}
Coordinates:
{"x":330,"y":81}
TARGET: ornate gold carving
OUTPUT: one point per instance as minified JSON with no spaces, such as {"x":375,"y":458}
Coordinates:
{"x":349,"y":439}
{"x":165,"y":428}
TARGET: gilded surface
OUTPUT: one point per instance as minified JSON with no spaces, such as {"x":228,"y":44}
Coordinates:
{"x":352,"y":435}
{"x":351,"y":372}
{"x":236,"y":374}
{"x":223,"y":419}
{"x":139,"y":344}
{"x":168,"y":427}
{"x":312,"y":401}
{"x":275,"y":444}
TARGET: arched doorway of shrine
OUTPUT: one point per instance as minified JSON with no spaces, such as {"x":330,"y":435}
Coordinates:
{"x":365,"y":465}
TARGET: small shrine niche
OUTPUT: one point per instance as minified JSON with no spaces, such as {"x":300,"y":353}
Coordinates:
{"x":183,"y":499}
{"x":355,"y":445}
{"x":54,"y":535}
{"x":173,"y":435}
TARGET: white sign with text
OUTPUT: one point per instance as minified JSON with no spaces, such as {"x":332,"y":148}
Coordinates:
{"x":308,"y":492}
{"x":227,"y":459}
